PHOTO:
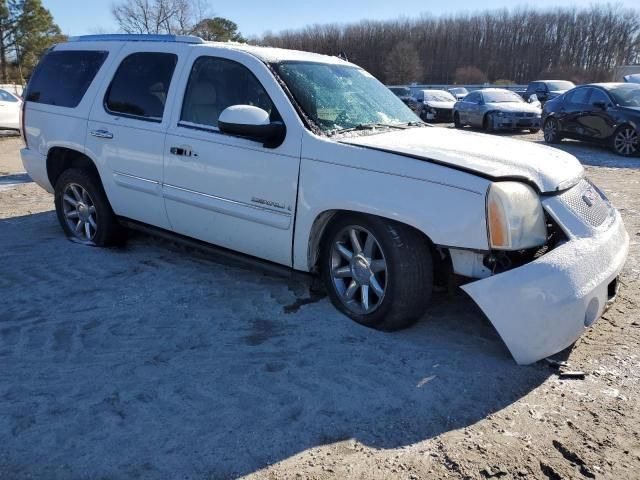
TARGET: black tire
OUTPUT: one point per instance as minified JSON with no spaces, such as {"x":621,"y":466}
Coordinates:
{"x":408,"y":277}
{"x":534,"y":130}
{"x":487,"y":125}
{"x":626,"y":141}
{"x":456,"y":121}
{"x":107,"y":231}
{"x":552,"y":131}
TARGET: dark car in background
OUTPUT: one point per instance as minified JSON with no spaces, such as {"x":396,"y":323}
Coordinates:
{"x":546,"y":90}
{"x":404,"y":94}
{"x":435,"y":105}
{"x":604,"y":113}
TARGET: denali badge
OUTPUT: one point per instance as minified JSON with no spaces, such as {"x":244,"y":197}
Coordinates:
{"x":268,"y":203}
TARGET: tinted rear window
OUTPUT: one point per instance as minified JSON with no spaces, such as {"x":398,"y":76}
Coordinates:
{"x":62,"y":78}
{"x":141,"y":84}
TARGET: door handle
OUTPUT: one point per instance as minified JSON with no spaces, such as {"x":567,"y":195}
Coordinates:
{"x":101,"y":134}
{"x":183,"y":151}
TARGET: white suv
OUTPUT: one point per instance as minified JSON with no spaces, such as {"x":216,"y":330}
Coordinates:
{"x":308,"y":161}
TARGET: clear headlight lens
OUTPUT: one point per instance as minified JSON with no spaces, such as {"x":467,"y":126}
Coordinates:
{"x":515,"y":217}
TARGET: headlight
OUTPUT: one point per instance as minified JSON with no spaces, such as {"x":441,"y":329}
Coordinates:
{"x":515,"y":217}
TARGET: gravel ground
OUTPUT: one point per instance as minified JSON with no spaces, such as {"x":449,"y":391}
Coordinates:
{"x":159,"y":361}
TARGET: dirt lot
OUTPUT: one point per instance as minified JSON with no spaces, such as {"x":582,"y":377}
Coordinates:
{"x":161,"y":361}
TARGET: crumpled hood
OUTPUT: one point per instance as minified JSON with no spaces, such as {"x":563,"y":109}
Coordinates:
{"x":435,"y":104}
{"x":513,"y":107}
{"x":486,"y":155}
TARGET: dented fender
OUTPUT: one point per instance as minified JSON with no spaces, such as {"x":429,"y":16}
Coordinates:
{"x":544,"y":306}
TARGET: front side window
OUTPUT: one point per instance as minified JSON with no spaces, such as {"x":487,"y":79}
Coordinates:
{"x":141,"y":84}
{"x":7,"y":97}
{"x":579,"y":96}
{"x":218,"y":83}
{"x":62,"y":78}
{"x":342,"y":97}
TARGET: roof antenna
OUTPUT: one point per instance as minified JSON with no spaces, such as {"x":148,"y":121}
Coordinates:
{"x":343,"y":56}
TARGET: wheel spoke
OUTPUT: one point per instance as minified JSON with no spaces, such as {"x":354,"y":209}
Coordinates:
{"x":70,"y":200}
{"x":375,"y":285}
{"x":79,"y":226}
{"x":342,"y":272}
{"x":365,"y":297}
{"x":344,"y":251}
{"x":369,"y":244}
{"x":351,"y":291}
{"x":87,"y":230}
{"x":355,"y":241}
{"x":71,"y":214}
{"x":378,"y":266}
{"x":92,"y":222}
{"x":85,"y":196}
{"x":76,"y":194}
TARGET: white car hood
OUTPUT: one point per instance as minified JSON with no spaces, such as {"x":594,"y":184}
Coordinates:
{"x":514,"y":107}
{"x":440,"y":104}
{"x":486,"y":155}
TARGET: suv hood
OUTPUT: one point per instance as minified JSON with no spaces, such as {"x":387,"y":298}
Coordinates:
{"x":490,"y":156}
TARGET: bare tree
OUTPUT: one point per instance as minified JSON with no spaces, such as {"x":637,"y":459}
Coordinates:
{"x":402,"y":65}
{"x":177,"y":17}
{"x":469,"y":76}
{"x":518,"y":44}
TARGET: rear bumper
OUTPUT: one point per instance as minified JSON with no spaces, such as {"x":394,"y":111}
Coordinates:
{"x":36,"y":166}
{"x":543,"y":307}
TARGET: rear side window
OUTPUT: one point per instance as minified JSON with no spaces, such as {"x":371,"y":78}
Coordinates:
{"x":62,"y":78}
{"x":141,"y":84}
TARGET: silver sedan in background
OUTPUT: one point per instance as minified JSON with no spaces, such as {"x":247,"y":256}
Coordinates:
{"x":496,"y":109}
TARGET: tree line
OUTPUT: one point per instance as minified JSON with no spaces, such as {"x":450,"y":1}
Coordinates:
{"x":27,"y":30}
{"x":519,"y":45}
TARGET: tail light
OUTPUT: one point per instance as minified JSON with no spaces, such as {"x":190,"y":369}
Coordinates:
{"x":23,"y":110}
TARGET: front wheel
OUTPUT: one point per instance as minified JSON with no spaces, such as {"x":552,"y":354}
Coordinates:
{"x":84,"y":211}
{"x":377,"y":271}
{"x":625,"y":141}
{"x":456,"y":120}
{"x":551,"y":131}
{"x":487,"y":123}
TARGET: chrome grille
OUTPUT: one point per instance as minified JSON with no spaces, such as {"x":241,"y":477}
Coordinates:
{"x":588,"y":202}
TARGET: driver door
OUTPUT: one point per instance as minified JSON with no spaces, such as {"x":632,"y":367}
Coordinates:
{"x":223,"y":189}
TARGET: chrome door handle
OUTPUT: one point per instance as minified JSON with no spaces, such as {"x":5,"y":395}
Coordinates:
{"x":101,"y":134}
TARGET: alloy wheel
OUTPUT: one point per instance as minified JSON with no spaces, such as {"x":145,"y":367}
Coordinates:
{"x":358,"y":269}
{"x":80,"y":212}
{"x":626,"y":141}
{"x":550,"y":131}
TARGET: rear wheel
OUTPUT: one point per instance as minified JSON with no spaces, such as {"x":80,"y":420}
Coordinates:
{"x":84,"y":211}
{"x":551,"y":131}
{"x":377,"y":272}
{"x":625,"y":141}
{"x":456,"y":120}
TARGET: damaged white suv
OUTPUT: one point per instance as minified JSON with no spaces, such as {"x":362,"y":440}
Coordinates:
{"x":308,"y":161}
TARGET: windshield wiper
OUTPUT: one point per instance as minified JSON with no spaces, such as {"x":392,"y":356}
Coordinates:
{"x":373,"y":126}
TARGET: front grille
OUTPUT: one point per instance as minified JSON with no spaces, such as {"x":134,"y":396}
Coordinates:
{"x":588,"y":202}
{"x":524,"y":114}
{"x":443,"y":113}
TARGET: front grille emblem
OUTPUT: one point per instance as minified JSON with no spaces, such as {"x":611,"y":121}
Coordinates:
{"x":589,"y":197}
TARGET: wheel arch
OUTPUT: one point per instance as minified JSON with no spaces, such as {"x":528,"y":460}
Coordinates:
{"x":60,"y":159}
{"x":320,"y":227}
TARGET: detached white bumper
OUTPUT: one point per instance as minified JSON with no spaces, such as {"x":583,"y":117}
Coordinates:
{"x":544,"y":306}
{"x":36,"y":166}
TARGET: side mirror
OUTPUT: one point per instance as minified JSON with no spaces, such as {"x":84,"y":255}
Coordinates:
{"x":600,"y":105}
{"x":253,"y":123}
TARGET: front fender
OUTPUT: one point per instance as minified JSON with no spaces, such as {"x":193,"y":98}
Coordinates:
{"x":431,"y":198}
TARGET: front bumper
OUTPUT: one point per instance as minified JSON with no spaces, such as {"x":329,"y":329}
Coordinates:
{"x":544,"y":306}
{"x":512,"y":123}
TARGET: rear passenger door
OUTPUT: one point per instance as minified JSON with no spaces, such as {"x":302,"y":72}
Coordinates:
{"x":127,"y":127}
{"x":574,"y":105}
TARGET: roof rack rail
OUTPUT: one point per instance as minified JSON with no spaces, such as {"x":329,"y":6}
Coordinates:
{"x":130,"y":37}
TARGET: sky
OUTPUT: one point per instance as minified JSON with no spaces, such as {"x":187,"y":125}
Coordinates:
{"x":255,"y":17}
